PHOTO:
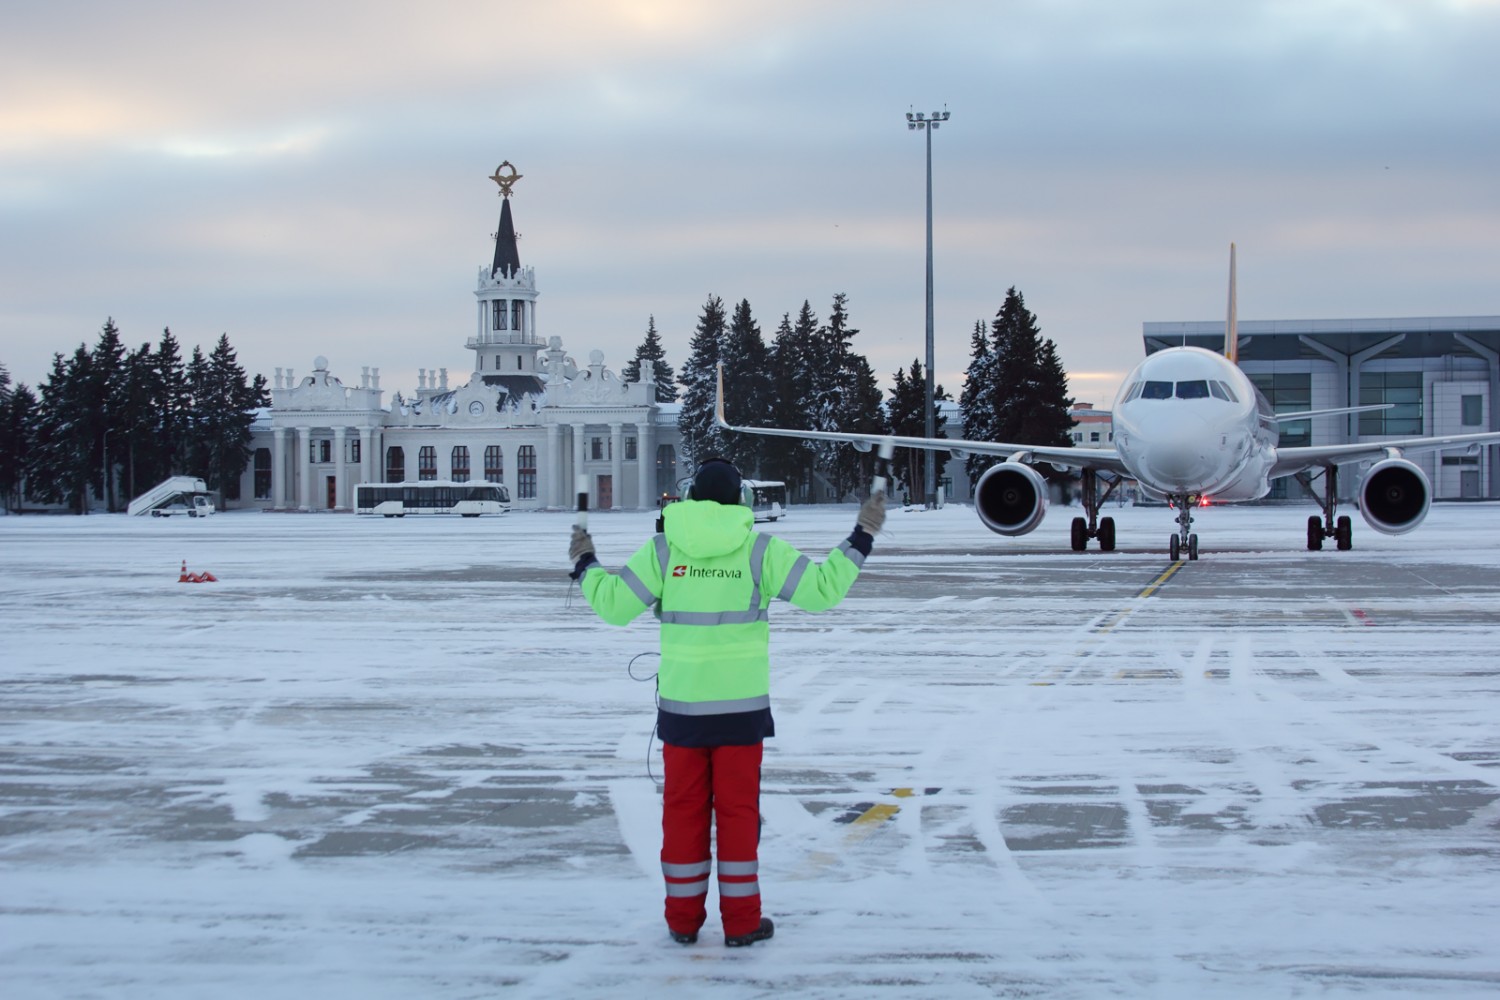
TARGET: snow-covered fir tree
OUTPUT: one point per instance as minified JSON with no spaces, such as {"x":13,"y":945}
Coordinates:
{"x":700,"y":438}
{"x":747,"y":367}
{"x":907,"y":417}
{"x":977,"y":400}
{"x":650,"y":348}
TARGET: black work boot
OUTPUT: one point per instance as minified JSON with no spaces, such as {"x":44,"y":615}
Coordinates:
{"x":684,"y":937}
{"x":761,"y":933}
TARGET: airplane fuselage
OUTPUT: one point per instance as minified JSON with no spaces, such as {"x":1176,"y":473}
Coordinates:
{"x":1188,"y":422}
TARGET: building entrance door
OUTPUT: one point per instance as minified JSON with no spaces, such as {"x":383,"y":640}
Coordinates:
{"x":606,"y":492}
{"x":333,"y":492}
{"x":1468,"y":484}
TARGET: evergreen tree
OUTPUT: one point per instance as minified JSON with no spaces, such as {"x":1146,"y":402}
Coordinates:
{"x":747,"y":368}
{"x":650,"y":348}
{"x":907,"y":413}
{"x":17,"y":411}
{"x":845,"y":397}
{"x":700,"y":438}
{"x":224,"y":404}
{"x":174,"y":408}
{"x":790,"y":460}
{"x":1030,"y":388}
{"x":977,"y":401}
{"x":106,"y":392}
{"x":58,"y":464}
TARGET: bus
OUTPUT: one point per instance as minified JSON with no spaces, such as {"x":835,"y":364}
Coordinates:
{"x":431,"y":497}
{"x":767,"y":498}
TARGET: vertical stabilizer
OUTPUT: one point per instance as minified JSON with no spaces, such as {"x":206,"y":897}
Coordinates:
{"x":1232,"y":323}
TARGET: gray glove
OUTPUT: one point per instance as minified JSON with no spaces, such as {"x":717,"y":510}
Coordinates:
{"x":872,"y":514}
{"x":580,"y":545}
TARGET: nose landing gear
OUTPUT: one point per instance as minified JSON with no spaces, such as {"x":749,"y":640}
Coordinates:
{"x":1185,"y":541}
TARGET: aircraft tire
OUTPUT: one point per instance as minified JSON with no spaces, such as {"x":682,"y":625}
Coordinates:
{"x":1192,"y":546}
{"x":1344,"y":533}
{"x":1174,"y":548}
{"x":1314,"y":533}
{"x":1080,"y":534}
{"x":1106,"y":534}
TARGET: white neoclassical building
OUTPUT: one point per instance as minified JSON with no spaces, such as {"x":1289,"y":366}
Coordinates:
{"x":527,"y":416}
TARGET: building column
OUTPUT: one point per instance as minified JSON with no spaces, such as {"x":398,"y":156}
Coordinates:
{"x":304,"y":466}
{"x":616,"y":465}
{"x":341,"y":498}
{"x":645,"y":460}
{"x":549,"y":467}
{"x":366,"y":446}
{"x":278,"y":468}
{"x":578,"y":457}
{"x":1492,"y":358}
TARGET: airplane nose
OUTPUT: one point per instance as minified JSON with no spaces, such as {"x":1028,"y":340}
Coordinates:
{"x":1181,"y":462}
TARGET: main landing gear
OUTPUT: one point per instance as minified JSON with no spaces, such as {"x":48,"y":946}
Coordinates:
{"x":1184,"y":541}
{"x":1102,"y":528}
{"x":1340,"y":528}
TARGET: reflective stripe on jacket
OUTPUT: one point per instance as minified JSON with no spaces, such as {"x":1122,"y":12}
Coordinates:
{"x":712,"y":577}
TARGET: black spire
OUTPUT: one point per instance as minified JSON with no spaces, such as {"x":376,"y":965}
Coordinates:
{"x":507,"y":257}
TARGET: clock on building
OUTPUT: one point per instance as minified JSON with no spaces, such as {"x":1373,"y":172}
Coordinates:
{"x":476,"y":408}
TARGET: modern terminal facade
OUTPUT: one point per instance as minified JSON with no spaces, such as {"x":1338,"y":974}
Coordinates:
{"x":1441,"y":375}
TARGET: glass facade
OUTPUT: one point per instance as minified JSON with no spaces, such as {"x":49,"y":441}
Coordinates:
{"x":1404,"y":390}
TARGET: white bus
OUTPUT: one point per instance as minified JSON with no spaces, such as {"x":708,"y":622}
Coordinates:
{"x":432,"y":497}
{"x":767,"y":498}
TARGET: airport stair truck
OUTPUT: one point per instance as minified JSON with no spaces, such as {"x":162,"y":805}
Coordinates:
{"x":177,"y":495}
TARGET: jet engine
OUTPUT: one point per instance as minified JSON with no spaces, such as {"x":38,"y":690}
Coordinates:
{"x":1394,"y":496}
{"x":1011,"y":498}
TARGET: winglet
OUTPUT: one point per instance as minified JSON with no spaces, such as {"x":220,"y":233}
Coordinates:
{"x":1232,"y":323}
{"x":719,"y":400}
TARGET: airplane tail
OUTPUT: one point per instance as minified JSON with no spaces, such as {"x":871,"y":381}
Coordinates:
{"x":1231,"y":324}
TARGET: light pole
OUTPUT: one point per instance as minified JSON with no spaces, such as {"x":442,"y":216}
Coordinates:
{"x":929,"y":125}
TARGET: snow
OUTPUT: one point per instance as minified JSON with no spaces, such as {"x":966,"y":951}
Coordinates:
{"x":392,"y":758}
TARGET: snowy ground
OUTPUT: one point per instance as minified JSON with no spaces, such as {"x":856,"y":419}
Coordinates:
{"x":386,"y":758}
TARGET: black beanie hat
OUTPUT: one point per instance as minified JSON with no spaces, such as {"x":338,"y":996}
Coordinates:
{"x":717,"y":480}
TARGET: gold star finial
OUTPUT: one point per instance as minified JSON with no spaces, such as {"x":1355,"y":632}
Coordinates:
{"x":505,"y":181}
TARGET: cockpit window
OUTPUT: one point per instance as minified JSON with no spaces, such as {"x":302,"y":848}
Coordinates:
{"x":1157,"y":390}
{"x":1193,"y":389}
{"x":1217,"y":391}
{"x":1228,"y":392}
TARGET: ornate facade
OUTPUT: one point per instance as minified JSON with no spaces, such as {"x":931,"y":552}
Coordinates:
{"x":528,"y":416}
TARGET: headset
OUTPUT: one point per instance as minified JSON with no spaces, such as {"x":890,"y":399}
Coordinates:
{"x":745,"y":498}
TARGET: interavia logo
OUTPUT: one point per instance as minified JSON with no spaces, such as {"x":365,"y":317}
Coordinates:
{"x":700,"y":572}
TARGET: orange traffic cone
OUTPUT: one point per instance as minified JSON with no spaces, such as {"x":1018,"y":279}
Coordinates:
{"x":183,"y":577}
{"x":207,"y":577}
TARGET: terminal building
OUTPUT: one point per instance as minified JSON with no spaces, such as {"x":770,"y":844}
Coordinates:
{"x":1441,"y":376}
{"x":526,"y":415}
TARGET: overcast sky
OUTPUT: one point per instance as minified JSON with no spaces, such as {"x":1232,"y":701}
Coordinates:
{"x":312,"y":178}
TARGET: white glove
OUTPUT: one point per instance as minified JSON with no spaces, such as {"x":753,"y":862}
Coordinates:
{"x":580,"y":545}
{"x":872,"y":514}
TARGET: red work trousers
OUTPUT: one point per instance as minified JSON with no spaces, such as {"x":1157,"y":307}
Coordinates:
{"x":719,"y":785}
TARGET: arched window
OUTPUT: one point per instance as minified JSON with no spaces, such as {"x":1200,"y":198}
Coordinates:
{"x":395,"y":465}
{"x":426,"y":463}
{"x":526,"y":472}
{"x":494,"y":464}
{"x":460,"y":461}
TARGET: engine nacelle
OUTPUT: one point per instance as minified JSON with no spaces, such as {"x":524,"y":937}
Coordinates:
{"x":1011,"y":498}
{"x":1394,"y":496}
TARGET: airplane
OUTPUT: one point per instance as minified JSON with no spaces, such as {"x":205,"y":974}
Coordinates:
{"x":1189,"y":425}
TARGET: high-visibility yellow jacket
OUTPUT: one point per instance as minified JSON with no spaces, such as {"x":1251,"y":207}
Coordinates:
{"x":711,"y":579}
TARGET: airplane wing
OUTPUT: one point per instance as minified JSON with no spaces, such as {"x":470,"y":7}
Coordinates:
{"x":1290,"y":461}
{"x":1104,"y":459}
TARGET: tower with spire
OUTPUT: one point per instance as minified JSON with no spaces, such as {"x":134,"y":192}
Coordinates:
{"x":506,"y":345}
